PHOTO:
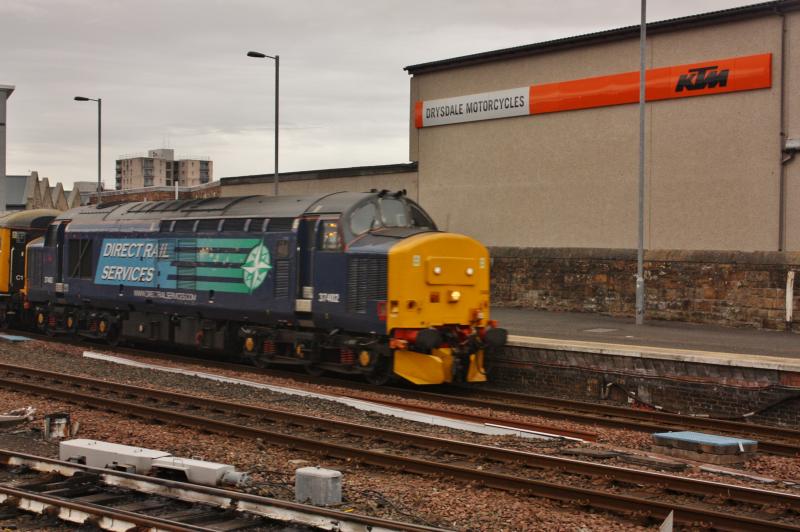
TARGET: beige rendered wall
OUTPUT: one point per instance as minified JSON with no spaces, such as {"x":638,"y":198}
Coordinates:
{"x":570,"y":179}
{"x":792,"y":114}
{"x":405,"y":180}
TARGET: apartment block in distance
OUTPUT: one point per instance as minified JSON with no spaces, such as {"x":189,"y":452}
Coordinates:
{"x":159,"y":169}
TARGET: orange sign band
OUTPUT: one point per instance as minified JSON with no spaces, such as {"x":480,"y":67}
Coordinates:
{"x":682,"y":81}
{"x":418,"y":114}
{"x":697,"y":79}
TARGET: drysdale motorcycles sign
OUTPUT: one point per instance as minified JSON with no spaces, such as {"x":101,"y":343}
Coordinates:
{"x":697,"y":79}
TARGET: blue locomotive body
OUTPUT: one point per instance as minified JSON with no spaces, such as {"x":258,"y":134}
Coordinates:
{"x":297,"y":280}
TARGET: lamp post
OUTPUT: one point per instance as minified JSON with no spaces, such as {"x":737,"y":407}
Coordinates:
{"x":99,"y":137}
{"x":277,"y":59}
{"x":640,"y":301}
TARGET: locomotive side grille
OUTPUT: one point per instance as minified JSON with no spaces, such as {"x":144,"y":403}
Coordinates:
{"x":281,"y":279}
{"x":35,"y":268}
{"x":234,"y":224}
{"x":184,"y":226}
{"x":187,"y":254}
{"x":280,"y":225}
{"x":208,"y":224}
{"x":366,"y":281}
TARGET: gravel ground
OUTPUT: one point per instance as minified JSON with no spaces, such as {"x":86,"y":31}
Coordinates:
{"x":367,"y":490}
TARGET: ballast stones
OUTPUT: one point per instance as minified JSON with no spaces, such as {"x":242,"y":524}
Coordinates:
{"x":710,"y":448}
{"x":318,"y":486}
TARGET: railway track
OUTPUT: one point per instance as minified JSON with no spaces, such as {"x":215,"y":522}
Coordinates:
{"x":772,"y":440}
{"x":114,"y":500}
{"x":516,"y":470}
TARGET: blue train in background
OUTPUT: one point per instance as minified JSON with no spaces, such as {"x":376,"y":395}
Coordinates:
{"x":358,"y":283}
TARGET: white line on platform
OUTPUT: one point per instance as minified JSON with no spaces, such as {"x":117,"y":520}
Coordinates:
{"x":662,"y":353}
{"x":359,"y":404}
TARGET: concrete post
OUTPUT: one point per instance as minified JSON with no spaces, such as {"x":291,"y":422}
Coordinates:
{"x":5,"y":93}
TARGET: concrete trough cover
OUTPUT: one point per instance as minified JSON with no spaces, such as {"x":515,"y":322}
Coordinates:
{"x":705,"y":443}
{"x":13,"y":338}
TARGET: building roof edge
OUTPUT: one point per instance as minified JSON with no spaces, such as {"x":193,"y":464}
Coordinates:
{"x":328,"y":173}
{"x":616,"y":34}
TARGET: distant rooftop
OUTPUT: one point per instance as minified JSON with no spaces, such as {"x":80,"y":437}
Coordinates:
{"x":146,"y":155}
{"x":15,"y":188}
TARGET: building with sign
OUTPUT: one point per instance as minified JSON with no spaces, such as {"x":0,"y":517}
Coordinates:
{"x":534,"y":150}
{"x":543,"y":139}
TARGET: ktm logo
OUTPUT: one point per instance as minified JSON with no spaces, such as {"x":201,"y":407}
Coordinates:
{"x":702,"y":78}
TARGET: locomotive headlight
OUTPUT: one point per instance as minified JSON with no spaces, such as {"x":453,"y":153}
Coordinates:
{"x":470,"y":272}
{"x":437,"y":270}
{"x":454,"y":296}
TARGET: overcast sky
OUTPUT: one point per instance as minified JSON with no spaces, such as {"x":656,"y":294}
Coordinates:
{"x":173,"y":73}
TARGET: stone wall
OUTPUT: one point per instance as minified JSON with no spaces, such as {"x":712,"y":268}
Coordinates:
{"x":742,"y":289}
{"x":724,"y":391}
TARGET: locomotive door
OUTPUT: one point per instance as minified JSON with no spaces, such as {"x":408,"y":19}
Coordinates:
{"x":330,"y":273}
{"x":59,"y":244}
{"x":16,"y":276}
{"x":305,"y":257}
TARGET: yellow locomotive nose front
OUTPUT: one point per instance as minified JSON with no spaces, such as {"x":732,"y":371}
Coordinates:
{"x":438,"y":282}
{"x":437,"y":279}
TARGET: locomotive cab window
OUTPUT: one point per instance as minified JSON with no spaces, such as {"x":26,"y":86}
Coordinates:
{"x":420,"y":218}
{"x":364,"y":218}
{"x":393,"y":213}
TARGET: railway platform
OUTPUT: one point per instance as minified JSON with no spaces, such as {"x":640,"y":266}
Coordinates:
{"x":681,"y":367}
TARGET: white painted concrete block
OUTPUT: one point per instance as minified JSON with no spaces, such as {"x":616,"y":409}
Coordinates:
{"x":104,"y":454}
{"x":317,"y":486}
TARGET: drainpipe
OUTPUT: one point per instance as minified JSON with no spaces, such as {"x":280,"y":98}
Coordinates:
{"x":782,"y":184}
{"x":789,"y":299}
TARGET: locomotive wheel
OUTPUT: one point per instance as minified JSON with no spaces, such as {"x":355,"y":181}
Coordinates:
{"x":112,"y":338}
{"x":381,"y":374}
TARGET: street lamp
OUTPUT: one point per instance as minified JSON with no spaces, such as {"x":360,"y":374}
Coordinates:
{"x":99,"y":137}
{"x":277,"y":58}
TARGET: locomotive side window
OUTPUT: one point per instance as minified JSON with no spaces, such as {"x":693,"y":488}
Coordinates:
{"x":393,"y":213}
{"x":329,"y":236}
{"x":283,"y":248}
{"x":363,"y":219}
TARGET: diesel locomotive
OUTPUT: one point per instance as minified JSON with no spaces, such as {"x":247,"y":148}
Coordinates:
{"x":360,"y":283}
